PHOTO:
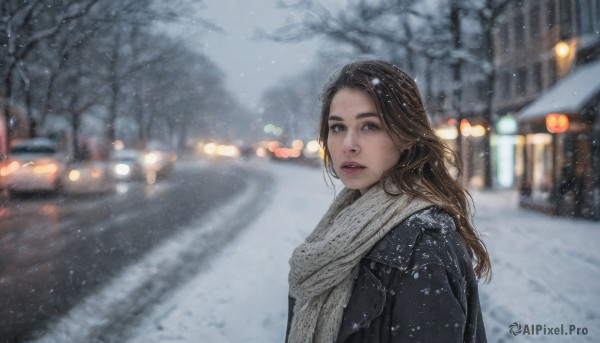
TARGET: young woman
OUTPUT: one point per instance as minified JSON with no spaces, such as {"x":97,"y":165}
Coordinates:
{"x":391,"y":260}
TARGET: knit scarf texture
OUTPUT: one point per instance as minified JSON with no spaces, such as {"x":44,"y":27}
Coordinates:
{"x":324,"y":267}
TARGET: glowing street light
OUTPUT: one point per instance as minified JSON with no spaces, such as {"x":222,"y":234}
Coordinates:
{"x":562,"y":49}
{"x":565,"y":56}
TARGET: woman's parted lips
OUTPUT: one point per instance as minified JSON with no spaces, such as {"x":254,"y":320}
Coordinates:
{"x":351,"y":165}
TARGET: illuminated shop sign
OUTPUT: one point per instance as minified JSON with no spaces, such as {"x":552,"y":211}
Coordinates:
{"x":557,"y":123}
{"x":506,"y":125}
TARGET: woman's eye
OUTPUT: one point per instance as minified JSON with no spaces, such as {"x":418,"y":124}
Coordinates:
{"x":336,"y":128}
{"x":370,"y":127}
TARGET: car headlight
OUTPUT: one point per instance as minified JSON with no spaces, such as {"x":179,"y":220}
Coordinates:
{"x":151,"y":158}
{"x":10,"y":168}
{"x":48,"y":168}
{"x":122,"y":169}
{"x":74,"y":175}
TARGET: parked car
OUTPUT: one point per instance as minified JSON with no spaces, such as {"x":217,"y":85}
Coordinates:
{"x":33,"y":165}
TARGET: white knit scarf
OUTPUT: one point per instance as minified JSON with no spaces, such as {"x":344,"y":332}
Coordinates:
{"x":323,"y":268}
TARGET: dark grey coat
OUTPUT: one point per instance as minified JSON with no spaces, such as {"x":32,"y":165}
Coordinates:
{"x":416,"y":285}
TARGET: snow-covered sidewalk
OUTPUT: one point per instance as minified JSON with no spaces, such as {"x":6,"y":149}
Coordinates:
{"x":243,"y":296}
{"x":546,"y":271}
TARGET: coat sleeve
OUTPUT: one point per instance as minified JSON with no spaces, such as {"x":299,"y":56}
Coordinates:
{"x":425,"y":303}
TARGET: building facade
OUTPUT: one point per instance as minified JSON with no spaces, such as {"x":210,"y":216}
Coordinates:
{"x":547,"y":47}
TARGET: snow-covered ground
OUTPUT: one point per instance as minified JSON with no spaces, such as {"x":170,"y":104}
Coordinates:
{"x":546,"y":271}
{"x":243,"y":297}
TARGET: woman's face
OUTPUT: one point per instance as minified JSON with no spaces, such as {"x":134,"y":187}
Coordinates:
{"x":361,"y":150}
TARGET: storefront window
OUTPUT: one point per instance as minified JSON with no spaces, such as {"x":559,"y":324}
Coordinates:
{"x":540,"y":150}
{"x":519,"y":159}
{"x":504,"y":159}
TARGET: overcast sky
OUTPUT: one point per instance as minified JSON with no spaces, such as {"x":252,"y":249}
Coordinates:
{"x":252,"y":65}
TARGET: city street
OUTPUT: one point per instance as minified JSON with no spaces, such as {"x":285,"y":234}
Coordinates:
{"x":56,"y":250}
{"x":160,"y":162}
{"x":546,"y":272}
{"x":213,"y":268}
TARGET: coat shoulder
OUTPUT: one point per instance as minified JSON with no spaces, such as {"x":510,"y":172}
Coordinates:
{"x":422,"y":230}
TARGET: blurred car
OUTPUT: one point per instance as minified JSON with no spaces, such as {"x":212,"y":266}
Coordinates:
{"x":87,"y":177}
{"x":33,"y":165}
{"x":126,"y":164}
{"x":158,"y":160}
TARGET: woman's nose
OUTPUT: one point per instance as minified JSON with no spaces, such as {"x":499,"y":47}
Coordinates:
{"x":350,"y":144}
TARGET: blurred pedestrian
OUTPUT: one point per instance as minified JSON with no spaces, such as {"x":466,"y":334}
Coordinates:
{"x":396,"y":257}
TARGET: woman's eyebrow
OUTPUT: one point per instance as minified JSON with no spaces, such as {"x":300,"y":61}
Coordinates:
{"x":366,"y":115}
{"x":358,"y":116}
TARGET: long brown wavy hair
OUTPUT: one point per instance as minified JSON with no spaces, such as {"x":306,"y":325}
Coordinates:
{"x":422,"y":170}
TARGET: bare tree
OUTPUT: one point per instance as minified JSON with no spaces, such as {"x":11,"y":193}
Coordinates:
{"x":23,"y":25}
{"x":387,"y":28}
{"x":368,"y":27}
{"x":92,"y":62}
{"x":294,"y":103}
{"x":487,"y":13}
{"x":174,"y":93}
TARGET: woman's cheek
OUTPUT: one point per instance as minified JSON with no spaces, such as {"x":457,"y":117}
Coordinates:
{"x":333,"y":148}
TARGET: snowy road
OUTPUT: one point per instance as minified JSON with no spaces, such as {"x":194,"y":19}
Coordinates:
{"x":55,"y":251}
{"x":546,"y":272}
